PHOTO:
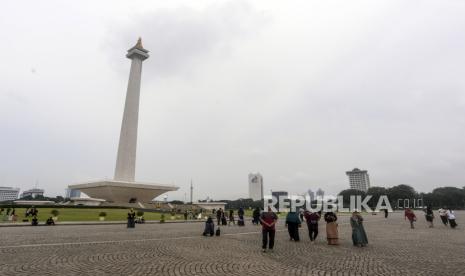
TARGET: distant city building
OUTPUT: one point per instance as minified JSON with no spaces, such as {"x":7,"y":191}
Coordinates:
{"x":279,"y":194}
{"x":34,"y":192}
{"x":72,"y":193}
{"x":255,"y":186}
{"x":8,"y":193}
{"x":311,"y":194}
{"x":320,"y":193}
{"x":359,"y":179}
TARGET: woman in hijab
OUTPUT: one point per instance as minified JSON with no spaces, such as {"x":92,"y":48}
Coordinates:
{"x":209,"y":227}
{"x":332,"y":234}
{"x":359,"y":236}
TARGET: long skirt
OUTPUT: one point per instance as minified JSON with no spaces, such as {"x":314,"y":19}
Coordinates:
{"x":359,"y":237}
{"x":332,"y":233}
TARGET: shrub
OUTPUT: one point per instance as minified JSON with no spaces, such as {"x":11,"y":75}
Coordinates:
{"x":140,"y":213}
{"x":102,"y":214}
{"x":162,"y":218}
{"x":55,"y":212}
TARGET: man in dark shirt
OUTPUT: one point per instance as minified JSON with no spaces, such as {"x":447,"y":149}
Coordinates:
{"x":268,"y":220}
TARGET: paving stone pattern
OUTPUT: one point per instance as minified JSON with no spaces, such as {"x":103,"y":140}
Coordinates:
{"x":179,"y":249}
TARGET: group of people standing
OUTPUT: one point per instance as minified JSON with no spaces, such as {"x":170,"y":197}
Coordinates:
{"x":447,"y":216}
{"x":294,"y":221}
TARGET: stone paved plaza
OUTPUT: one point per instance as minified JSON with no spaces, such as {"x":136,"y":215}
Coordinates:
{"x":179,"y":249}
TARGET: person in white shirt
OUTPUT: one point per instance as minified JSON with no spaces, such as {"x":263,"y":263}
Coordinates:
{"x":443,"y":215}
{"x":451,"y":218}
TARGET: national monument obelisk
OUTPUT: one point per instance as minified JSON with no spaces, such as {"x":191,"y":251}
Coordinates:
{"x":123,"y":188}
{"x":126,"y":160}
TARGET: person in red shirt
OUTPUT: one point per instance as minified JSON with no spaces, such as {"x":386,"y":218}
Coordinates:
{"x":312,"y":223}
{"x":410,"y":215}
{"x":268,"y":220}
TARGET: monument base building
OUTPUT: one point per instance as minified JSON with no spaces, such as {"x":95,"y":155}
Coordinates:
{"x":114,"y":191}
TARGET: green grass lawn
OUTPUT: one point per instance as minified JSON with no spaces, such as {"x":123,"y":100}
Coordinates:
{"x":86,"y":214}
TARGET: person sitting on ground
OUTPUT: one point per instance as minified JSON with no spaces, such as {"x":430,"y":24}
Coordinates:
{"x":209,"y":227}
{"x":50,"y":221}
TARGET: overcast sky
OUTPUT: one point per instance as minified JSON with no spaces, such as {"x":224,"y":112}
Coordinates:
{"x":300,"y":91}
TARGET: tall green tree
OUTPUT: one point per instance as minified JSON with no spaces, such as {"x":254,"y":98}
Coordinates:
{"x":376,"y":193}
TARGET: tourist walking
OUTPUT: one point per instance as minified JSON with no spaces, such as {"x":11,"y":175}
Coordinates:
{"x":429,"y":216}
{"x":256,"y":216}
{"x":451,"y":218}
{"x":332,"y":234}
{"x":359,"y":236}
{"x":312,"y":223}
{"x":131,"y":219}
{"x":410,"y":215}
{"x":223,"y":219}
{"x":268,"y":220}
{"x":209,"y":227}
{"x":231,"y":217}
{"x":219,"y":214}
{"x":293,"y":223}
{"x":240,"y":214}
{"x":386,"y":212}
{"x":443,"y":215}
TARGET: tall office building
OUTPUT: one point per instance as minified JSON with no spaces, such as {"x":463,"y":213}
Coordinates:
{"x":320,"y":193}
{"x":311,"y":194}
{"x":359,"y":179}
{"x":8,"y":193}
{"x":255,"y":186}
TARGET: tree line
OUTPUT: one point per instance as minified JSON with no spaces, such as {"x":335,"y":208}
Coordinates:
{"x":452,"y":197}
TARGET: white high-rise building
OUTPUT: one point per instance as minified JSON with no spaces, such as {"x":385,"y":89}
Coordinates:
{"x":359,"y":179}
{"x":255,"y":186}
{"x":8,"y":193}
